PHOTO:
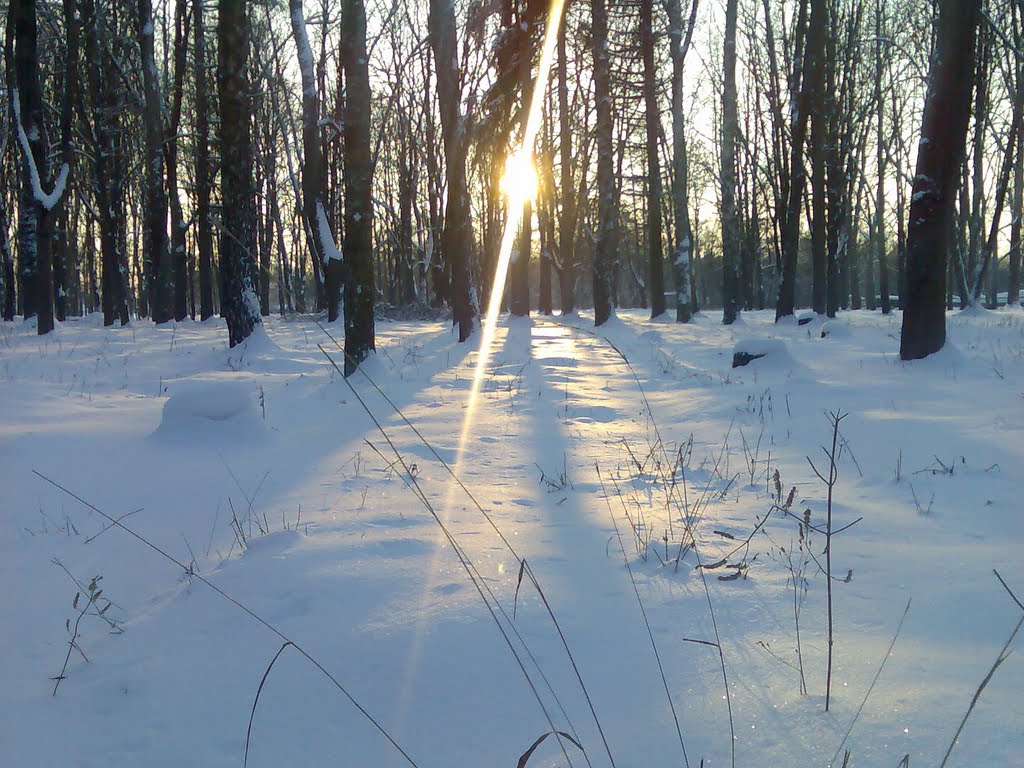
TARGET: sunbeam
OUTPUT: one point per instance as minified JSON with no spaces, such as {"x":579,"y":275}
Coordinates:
{"x":519,"y":185}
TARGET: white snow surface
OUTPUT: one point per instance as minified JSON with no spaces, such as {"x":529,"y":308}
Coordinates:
{"x":341,"y":557}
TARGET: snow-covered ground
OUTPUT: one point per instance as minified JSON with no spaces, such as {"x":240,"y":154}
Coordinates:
{"x":259,"y":470}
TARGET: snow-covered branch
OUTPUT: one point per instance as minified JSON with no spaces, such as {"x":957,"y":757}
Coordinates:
{"x":48,"y":201}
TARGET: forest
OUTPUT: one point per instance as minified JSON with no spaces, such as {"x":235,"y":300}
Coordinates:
{"x":184,"y":161}
{"x":511,"y":382}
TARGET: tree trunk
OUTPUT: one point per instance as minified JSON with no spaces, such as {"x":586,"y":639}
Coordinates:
{"x":567,"y":220}
{"x":314,"y":210}
{"x":812,"y":71}
{"x":6,"y":264}
{"x":680,"y":181}
{"x":988,"y":247}
{"x":731,"y":244}
{"x":37,"y":216}
{"x":179,"y":255}
{"x":818,"y":213}
{"x":155,"y":242}
{"x":63,"y":251}
{"x":239,"y":302}
{"x":358,"y":246}
{"x":1016,"y":209}
{"x":655,"y":252}
{"x":457,"y":238}
{"x":940,"y":154}
{"x":604,"y":250}
{"x":204,"y":183}
{"x":109,"y":182}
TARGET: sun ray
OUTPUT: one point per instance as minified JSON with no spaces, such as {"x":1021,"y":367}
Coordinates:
{"x":518,"y":193}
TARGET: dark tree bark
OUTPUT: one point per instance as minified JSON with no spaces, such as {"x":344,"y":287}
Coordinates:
{"x":179,"y":256}
{"x":204,"y":182}
{"x":1016,"y":209}
{"x":109,"y":182}
{"x":883,"y":265}
{"x":240,"y":271}
{"x":655,"y":251}
{"x":358,"y":246}
{"x":940,"y":155}
{"x":7,"y":265}
{"x":567,"y":221}
{"x":37,"y":216}
{"x":604,"y":250}
{"x":63,"y":251}
{"x":819,"y":274}
{"x":155,"y":241}
{"x":731,"y":243}
{"x":457,"y":238}
{"x":811,"y":83}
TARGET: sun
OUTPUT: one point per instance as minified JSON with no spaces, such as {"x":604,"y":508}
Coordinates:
{"x":520,"y":180}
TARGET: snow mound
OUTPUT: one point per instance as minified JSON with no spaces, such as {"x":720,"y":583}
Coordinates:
{"x":260,"y":354}
{"x":210,"y":409}
{"x":835,"y":329}
{"x":770,"y":352}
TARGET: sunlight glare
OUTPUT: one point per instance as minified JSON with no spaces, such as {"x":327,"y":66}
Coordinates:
{"x":520,"y":180}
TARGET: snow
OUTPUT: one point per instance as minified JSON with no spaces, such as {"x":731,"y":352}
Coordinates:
{"x":48,"y":201}
{"x":326,"y":238}
{"x":258,"y":469}
{"x":214,"y":411}
{"x":302,"y":49}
